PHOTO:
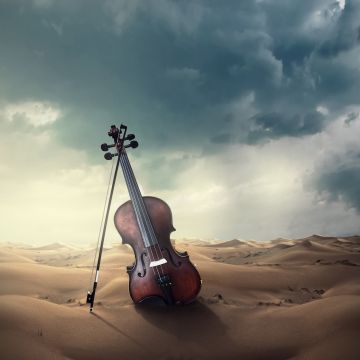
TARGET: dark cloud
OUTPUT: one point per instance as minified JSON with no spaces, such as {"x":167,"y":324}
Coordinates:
{"x":351,"y":117}
{"x":340,"y":180}
{"x":173,"y":69}
{"x":275,"y":125}
{"x":345,"y":34}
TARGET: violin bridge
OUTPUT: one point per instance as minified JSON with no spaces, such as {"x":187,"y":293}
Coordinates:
{"x":158,"y":262}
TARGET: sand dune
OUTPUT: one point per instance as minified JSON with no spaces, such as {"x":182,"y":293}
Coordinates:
{"x":53,"y":246}
{"x":284,"y":299}
{"x":230,"y":243}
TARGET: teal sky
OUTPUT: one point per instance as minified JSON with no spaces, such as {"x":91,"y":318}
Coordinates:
{"x":247,"y":115}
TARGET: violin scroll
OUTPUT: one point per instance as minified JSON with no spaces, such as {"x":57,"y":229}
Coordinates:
{"x":119,"y":136}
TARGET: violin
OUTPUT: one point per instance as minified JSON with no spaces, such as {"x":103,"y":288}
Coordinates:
{"x":145,"y":223}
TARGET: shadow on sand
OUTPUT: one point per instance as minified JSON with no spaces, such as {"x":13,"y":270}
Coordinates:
{"x":194,"y":324}
{"x":117,"y":329}
{"x":191,"y":323}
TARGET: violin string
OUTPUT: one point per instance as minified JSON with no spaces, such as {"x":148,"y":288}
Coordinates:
{"x":148,"y":222}
{"x":132,"y":194}
{"x":134,"y":199}
{"x":139,"y":201}
{"x":150,"y":227}
{"x":145,"y":217}
{"x":102,"y":220}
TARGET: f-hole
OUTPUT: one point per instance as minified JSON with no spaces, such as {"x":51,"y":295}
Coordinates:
{"x":143,"y":264}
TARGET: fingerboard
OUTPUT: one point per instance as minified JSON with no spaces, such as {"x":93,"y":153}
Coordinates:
{"x":141,"y":213}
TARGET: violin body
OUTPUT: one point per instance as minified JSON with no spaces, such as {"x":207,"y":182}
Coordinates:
{"x":175,"y":279}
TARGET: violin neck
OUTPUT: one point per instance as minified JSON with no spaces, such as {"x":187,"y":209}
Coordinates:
{"x":141,"y":213}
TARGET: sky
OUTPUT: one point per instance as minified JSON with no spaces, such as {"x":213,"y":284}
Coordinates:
{"x":247,"y":115}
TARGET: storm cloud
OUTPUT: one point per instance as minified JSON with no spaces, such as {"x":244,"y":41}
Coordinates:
{"x":336,"y":175}
{"x":342,"y":182}
{"x":177,"y":65}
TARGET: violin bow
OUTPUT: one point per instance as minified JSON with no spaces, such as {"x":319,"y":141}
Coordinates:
{"x":115,"y":134}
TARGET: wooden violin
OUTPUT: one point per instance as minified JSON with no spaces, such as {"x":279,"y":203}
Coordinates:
{"x":145,"y":223}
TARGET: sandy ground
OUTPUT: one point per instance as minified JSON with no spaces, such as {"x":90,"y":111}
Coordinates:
{"x":284,"y":299}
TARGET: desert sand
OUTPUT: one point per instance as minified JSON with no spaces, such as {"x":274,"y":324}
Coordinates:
{"x":282,"y":299}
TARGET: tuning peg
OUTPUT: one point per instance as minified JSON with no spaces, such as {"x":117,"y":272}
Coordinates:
{"x":130,"y":137}
{"x":106,"y":147}
{"x":109,"y":156}
{"x":133,"y":144}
